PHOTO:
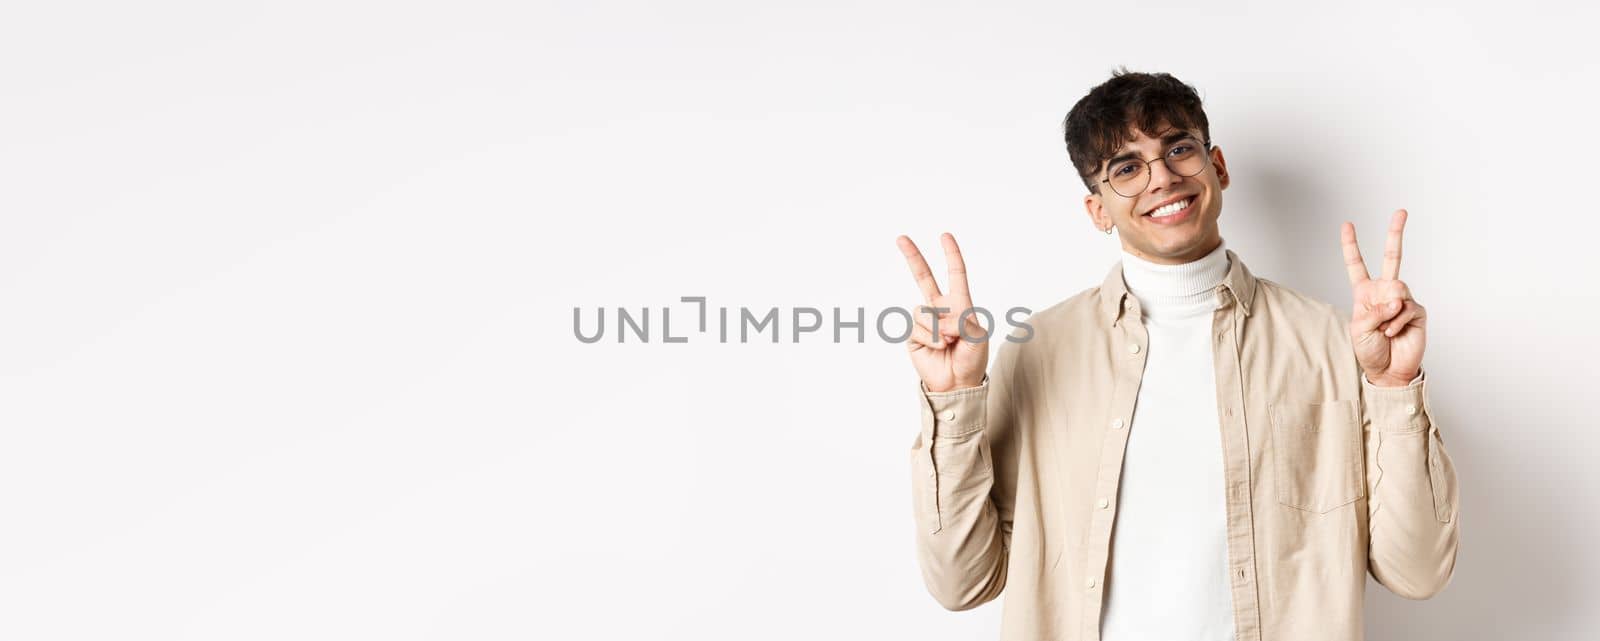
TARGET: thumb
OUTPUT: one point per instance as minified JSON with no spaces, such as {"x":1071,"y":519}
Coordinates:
{"x":975,"y":337}
{"x":1368,"y":321}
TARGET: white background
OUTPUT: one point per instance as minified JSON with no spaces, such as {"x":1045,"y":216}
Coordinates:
{"x":286,"y":349}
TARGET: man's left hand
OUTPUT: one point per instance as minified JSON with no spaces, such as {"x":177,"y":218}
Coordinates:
{"x":1387,"y":327}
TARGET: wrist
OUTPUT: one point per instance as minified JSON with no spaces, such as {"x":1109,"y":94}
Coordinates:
{"x":1392,"y":380}
{"x":954,"y":386}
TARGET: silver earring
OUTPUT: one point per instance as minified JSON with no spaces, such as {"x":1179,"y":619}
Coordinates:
{"x":1108,"y":230}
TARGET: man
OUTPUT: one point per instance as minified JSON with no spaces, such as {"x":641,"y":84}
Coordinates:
{"x":1186,"y":451}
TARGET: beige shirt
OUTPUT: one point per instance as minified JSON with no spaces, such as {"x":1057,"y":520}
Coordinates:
{"x":1328,"y":477}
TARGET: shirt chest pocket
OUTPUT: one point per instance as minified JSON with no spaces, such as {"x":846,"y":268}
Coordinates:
{"x":1317,"y":452}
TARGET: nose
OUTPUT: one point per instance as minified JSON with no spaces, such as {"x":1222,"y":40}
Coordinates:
{"x":1162,"y":176}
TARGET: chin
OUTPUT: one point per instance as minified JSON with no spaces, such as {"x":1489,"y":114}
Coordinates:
{"x":1179,"y":242}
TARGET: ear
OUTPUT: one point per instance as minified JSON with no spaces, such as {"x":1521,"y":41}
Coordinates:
{"x":1221,"y":165}
{"x":1096,"y":209}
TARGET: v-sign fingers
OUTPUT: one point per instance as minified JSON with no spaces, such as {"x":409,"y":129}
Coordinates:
{"x":1353,"y":264}
{"x":958,"y":267}
{"x":1391,"y":248}
{"x":919,"y":269}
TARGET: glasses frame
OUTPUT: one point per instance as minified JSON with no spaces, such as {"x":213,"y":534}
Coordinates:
{"x":1163,"y":158}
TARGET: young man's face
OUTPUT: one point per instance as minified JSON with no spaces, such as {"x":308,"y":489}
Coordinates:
{"x":1187,"y":236}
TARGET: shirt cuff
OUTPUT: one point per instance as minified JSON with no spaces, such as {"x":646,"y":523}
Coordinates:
{"x":956,"y":412}
{"x":1397,"y":409}
{"x":1413,"y":382}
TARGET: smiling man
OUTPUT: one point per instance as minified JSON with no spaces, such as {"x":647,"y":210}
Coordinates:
{"x":1187,"y":450}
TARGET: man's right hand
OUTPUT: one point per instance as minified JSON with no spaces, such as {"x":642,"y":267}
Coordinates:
{"x":945,"y":360}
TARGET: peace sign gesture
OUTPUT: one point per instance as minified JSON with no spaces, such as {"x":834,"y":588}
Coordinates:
{"x":945,"y":360}
{"x":1387,"y":327}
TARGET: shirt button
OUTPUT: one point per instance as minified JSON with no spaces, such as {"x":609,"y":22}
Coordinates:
{"x":1104,"y":504}
{"x":1133,"y":348}
{"x":1089,"y":583}
{"x":1411,"y":409}
{"x":1116,"y":424}
{"x":949,"y":415}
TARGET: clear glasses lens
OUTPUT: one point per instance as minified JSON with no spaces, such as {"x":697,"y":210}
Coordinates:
{"x":1130,"y":177}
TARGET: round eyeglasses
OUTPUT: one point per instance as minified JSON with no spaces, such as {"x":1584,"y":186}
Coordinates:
{"x":1130,"y":176}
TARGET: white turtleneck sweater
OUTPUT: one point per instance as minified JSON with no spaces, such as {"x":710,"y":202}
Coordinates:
{"x":1168,"y":578}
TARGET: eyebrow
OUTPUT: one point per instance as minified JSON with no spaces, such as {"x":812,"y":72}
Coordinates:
{"x":1165,"y":141}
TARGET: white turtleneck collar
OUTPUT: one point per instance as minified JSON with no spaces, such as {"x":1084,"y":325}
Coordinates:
{"x":1167,"y":291}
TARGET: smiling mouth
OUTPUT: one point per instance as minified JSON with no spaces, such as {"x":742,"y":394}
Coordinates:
{"x":1170,"y":209}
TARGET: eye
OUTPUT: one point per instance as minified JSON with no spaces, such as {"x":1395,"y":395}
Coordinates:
{"x":1122,"y":170}
{"x":1181,"y":150}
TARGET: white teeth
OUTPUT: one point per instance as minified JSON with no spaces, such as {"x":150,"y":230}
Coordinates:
{"x":1170,"y":209}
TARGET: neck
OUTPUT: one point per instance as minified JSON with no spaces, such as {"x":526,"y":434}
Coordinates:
{"x":1183,"y":288}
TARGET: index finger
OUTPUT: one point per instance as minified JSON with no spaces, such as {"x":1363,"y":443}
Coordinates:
{"x":958,"y":267}
{"x":1354,"y":265}
{"x":1391,"y":248}
{"x":919,"y":268}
